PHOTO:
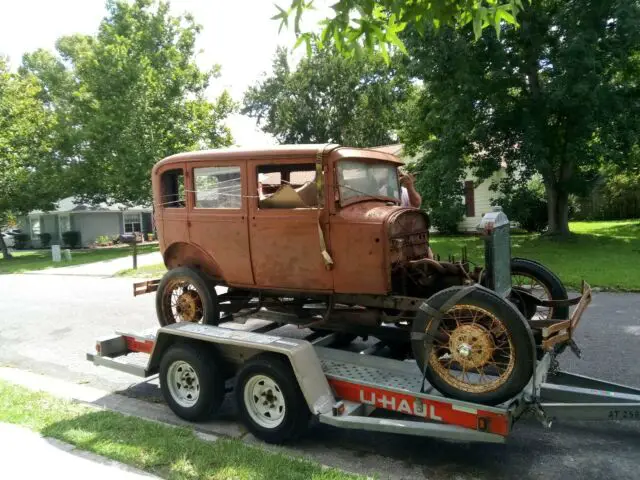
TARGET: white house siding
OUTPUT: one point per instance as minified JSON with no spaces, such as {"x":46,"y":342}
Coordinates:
{"x":92,"y":225}
{"x":482,"y":199}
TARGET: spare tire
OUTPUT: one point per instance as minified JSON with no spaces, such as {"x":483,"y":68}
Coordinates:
{"x":483,"y":350}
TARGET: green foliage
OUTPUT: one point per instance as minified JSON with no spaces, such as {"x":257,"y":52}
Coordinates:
{"x":128,"y":97}
{"x":368,"y":25}
{"x":71,"y":239}
{"x":616,"y":196}
{"x":45,"y":240}
{"x":103,"y":240}
{"x":527,"y":207}
{"x":21,"y":240}
{"x":328,"y":98}
{"x":557,"y":96}
{"x":31,"y":174}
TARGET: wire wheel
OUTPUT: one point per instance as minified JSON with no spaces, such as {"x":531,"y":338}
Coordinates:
{"x":473,"y":351}
{"x":531,"y":285}
{"x":264,"y":401}
{"x":182,"y":302}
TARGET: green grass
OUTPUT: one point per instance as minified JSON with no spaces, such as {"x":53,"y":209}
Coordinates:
{"x":148,"y":271}
{"x":605,"y":254}
{"x":169,"y":452}
{"x":27,"y":260}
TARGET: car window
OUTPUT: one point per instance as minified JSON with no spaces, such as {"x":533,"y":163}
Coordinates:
{"x":218,"y":187}
{"x":172,"y":188}
{"x":287,"y":186}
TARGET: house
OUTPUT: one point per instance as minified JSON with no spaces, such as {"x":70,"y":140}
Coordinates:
{"x":477,"y":194}
{"x":92,"y":221}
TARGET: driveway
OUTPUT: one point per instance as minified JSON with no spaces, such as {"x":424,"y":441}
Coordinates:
{"x":106,"y":268}
{"x":47,"y":323}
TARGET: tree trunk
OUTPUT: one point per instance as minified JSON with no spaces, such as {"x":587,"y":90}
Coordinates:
{"x":4,"y":249}
{"x":557,"y":209}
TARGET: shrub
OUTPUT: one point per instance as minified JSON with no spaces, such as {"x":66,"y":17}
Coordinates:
{"x":71,"y":239}
{"x":526,"y":207}
{"x":22,"y":241}
{"x":445,"y":217}
{"x":103,"y":240}
{"x":45,"y":240}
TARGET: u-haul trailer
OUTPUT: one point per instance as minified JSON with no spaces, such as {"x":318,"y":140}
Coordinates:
{"x":282,"y":383}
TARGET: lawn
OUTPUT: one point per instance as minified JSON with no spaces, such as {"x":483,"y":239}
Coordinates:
{"x":168,"y":452}
{"x":605,"y":254}
{"x":148,"y":271}
{"x":26,"y":260}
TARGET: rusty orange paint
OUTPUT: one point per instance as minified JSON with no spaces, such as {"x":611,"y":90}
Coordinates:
{"x":279,"y":248}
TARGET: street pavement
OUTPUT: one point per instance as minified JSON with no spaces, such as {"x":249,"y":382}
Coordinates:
{"x":48,"y":322}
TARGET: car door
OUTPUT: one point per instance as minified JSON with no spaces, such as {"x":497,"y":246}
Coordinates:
{"x":283,"y":228}
{"x":218,"y":222}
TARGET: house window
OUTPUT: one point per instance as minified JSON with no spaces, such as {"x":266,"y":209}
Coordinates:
{"x":469,"y":199}
{"x":132,"y":223}
{"x":218,"y":187}
{"x":287,"y":186}
{"x":172,"y":188}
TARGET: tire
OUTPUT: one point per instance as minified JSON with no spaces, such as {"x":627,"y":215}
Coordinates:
{"x":200,"y":285}
{"x":516,"y":331}
{"x":182,"y":362}
{"x":550,"y":281}
{"x":288,"y":416}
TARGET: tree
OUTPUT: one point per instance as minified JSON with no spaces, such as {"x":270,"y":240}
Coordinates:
{"x":559,"y":97}
{"x":329,"y":98}
{"x":358,"y":23}
{"x":132,"y":95}
{"x":30,"y":173}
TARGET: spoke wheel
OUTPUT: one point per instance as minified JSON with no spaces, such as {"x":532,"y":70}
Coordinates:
{"x":182,"y":301}
{"x":531,"y":285}
{"x":185,"y":295}
{"x":473,"y":351}
{"x":483,"y":350}
{"x":535,"y":279}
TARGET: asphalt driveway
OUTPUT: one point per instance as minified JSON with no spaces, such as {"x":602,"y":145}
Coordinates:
{"x":48,"y":322}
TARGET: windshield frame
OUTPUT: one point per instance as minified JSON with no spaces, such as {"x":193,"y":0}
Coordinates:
{"x":365,"y":197}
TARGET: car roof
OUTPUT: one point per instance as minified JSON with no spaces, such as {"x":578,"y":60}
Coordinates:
{"x":284,"y":151}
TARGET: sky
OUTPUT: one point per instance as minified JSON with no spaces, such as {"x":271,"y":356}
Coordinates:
{"x":238,"y":35}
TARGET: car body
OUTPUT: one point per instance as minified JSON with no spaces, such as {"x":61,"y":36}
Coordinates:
{"x":248,"y":243}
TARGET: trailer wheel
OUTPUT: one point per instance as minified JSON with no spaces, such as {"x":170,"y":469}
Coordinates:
{"x":269,"y":399}
{"x":191,"y":381}
{"x":483,"y":351}
{"x":185,"y":295}
{"x":537,"y":280}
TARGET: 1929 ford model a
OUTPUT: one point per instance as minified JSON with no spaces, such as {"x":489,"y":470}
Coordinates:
{"x":316,"y":232}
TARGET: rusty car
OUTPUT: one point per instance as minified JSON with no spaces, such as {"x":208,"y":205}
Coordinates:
{"x":318,"y":233}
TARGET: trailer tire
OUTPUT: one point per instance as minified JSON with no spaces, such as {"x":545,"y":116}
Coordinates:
{"x":474,"y":341}
{"x":269,"y":399}
{"x":201,"y":299}
{"x":192,"y":381}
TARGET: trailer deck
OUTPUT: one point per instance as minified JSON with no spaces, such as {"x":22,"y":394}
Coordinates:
{"x":366,"y":390}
